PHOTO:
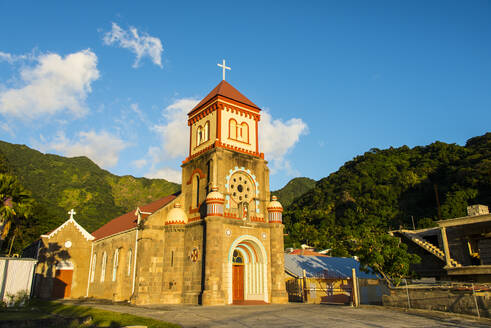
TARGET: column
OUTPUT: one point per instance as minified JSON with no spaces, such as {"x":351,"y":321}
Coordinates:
{"x":278,"y":288}
{"x":446,"y":250}
{"x":213,"y":292}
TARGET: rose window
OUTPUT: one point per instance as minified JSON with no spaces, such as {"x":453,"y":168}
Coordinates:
{"x":241,"y":188}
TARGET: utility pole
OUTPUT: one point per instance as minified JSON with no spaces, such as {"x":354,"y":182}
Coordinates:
{"x":437,"y":202}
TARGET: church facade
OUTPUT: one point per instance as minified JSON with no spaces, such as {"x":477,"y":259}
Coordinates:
{"x":219,"y":241}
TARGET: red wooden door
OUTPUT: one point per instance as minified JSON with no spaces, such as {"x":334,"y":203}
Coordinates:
{"x":62,"y":284}
{"x":238,"y":283}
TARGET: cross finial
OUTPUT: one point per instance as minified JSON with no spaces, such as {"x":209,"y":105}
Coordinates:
{"x":72,"y":213}
{"x":224,"y":67}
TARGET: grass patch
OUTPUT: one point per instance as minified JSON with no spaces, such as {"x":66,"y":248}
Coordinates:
{"x":45,"y":310}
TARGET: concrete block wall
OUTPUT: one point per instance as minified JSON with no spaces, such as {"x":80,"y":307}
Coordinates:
{"x":444,"y":299}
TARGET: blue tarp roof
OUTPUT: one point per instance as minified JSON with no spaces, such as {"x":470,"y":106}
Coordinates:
{"x":319,"y":265}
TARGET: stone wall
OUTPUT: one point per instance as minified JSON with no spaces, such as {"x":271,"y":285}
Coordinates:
{"x":120,"y":288}
{"x":446,"y":299}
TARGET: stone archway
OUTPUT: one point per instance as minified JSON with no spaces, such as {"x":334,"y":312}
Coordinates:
{"x":247,"y":267}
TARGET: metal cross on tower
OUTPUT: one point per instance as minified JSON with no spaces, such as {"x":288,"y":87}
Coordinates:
{"x":72,"y":213}
{"x":224,"y":67}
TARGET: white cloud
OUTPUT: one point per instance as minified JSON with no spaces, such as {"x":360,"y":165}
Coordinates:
{"x":174,"y":136}
{"x":175,"y":132}
{"x":7,"y":128}
{"x":142,"y":45}
{"x":103,"y":148}
{"x":139,"y":163}
{"x":278,"y":137}
{"x":165,"y":173}
{"x":11,"y":59}
{"x":136,"y":109}
{"x":53,"y":85}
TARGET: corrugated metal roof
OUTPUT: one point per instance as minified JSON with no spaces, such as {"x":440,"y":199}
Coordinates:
{"x":315,"y":266}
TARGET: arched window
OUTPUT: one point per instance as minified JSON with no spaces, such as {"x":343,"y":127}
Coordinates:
{"x":197,"y":190}
{"x":237,"y":258}
{"x":232,"y":129}
{"x":130,"y":255}
{"x":103,"y":266}
{"x":94,"y":263}
{"x":115,"y":264}
{"x":199,"y":136}
{"x":206,"y":131}
{"x":244,"y":132}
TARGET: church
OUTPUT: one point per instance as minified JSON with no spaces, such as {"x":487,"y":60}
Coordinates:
{"x":218,"y":241}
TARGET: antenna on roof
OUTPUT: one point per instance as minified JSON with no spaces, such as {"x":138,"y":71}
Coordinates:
{"x":139,"y":213}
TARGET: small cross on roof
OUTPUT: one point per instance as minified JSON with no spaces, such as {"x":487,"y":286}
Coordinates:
{"x":72,"y":213}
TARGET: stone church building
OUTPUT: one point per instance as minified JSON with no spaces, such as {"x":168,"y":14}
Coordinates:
{"x":218,"y":241}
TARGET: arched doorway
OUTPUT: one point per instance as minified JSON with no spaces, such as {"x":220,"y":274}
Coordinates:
{"x":247,"y":271}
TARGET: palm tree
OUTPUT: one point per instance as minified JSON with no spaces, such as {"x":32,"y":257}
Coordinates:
{"x":15,"y":204}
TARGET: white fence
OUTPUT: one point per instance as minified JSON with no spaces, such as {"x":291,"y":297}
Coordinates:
{"x":16,"y":276}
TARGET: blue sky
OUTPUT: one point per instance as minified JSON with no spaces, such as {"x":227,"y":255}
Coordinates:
{"x":335,"y":78}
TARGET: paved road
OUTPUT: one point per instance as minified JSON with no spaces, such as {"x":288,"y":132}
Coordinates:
{"x":291,"y":315}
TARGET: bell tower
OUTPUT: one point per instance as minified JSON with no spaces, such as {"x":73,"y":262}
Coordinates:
{"x":225,"y":118}
{"x":225,"y":189}
{"x":223,"y":132}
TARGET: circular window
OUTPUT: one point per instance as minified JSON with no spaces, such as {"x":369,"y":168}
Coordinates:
{"x":241,"y":187}
{"x":68,"y":244}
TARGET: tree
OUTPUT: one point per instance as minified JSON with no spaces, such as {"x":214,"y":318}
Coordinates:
{"x":386,"y":254}
{"x":15,"y":205}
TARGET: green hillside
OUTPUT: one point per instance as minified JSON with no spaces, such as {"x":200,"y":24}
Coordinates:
{"x":382,"y":189}
{"x":293,"y":189}
{"x":58,"y":184}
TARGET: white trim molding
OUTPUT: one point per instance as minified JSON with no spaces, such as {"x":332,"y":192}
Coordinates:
{"x":84,"y":232}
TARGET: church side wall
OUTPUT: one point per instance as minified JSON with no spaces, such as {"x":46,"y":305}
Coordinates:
{"x":54,"y":254}
{"x":120,"y":288}
{"x":160,"y":260}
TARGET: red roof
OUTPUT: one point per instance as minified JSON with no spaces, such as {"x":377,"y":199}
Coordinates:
{"x":305,"y":252}
{"x":225,"y":89}
{"x":128,"y":221}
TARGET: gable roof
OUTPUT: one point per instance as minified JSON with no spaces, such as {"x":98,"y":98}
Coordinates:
{"x":84,"y":232}
{"x":315,"y":266}
{"x":226,"y":90}
{"x":129,"y":220}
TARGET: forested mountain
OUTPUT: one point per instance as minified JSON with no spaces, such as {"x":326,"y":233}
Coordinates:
{"x":58,"y":184}
{"x":293,"y":189}
{"x":382,"y":189}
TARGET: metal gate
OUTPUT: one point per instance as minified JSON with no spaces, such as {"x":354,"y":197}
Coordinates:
{"x":323,"y":288}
